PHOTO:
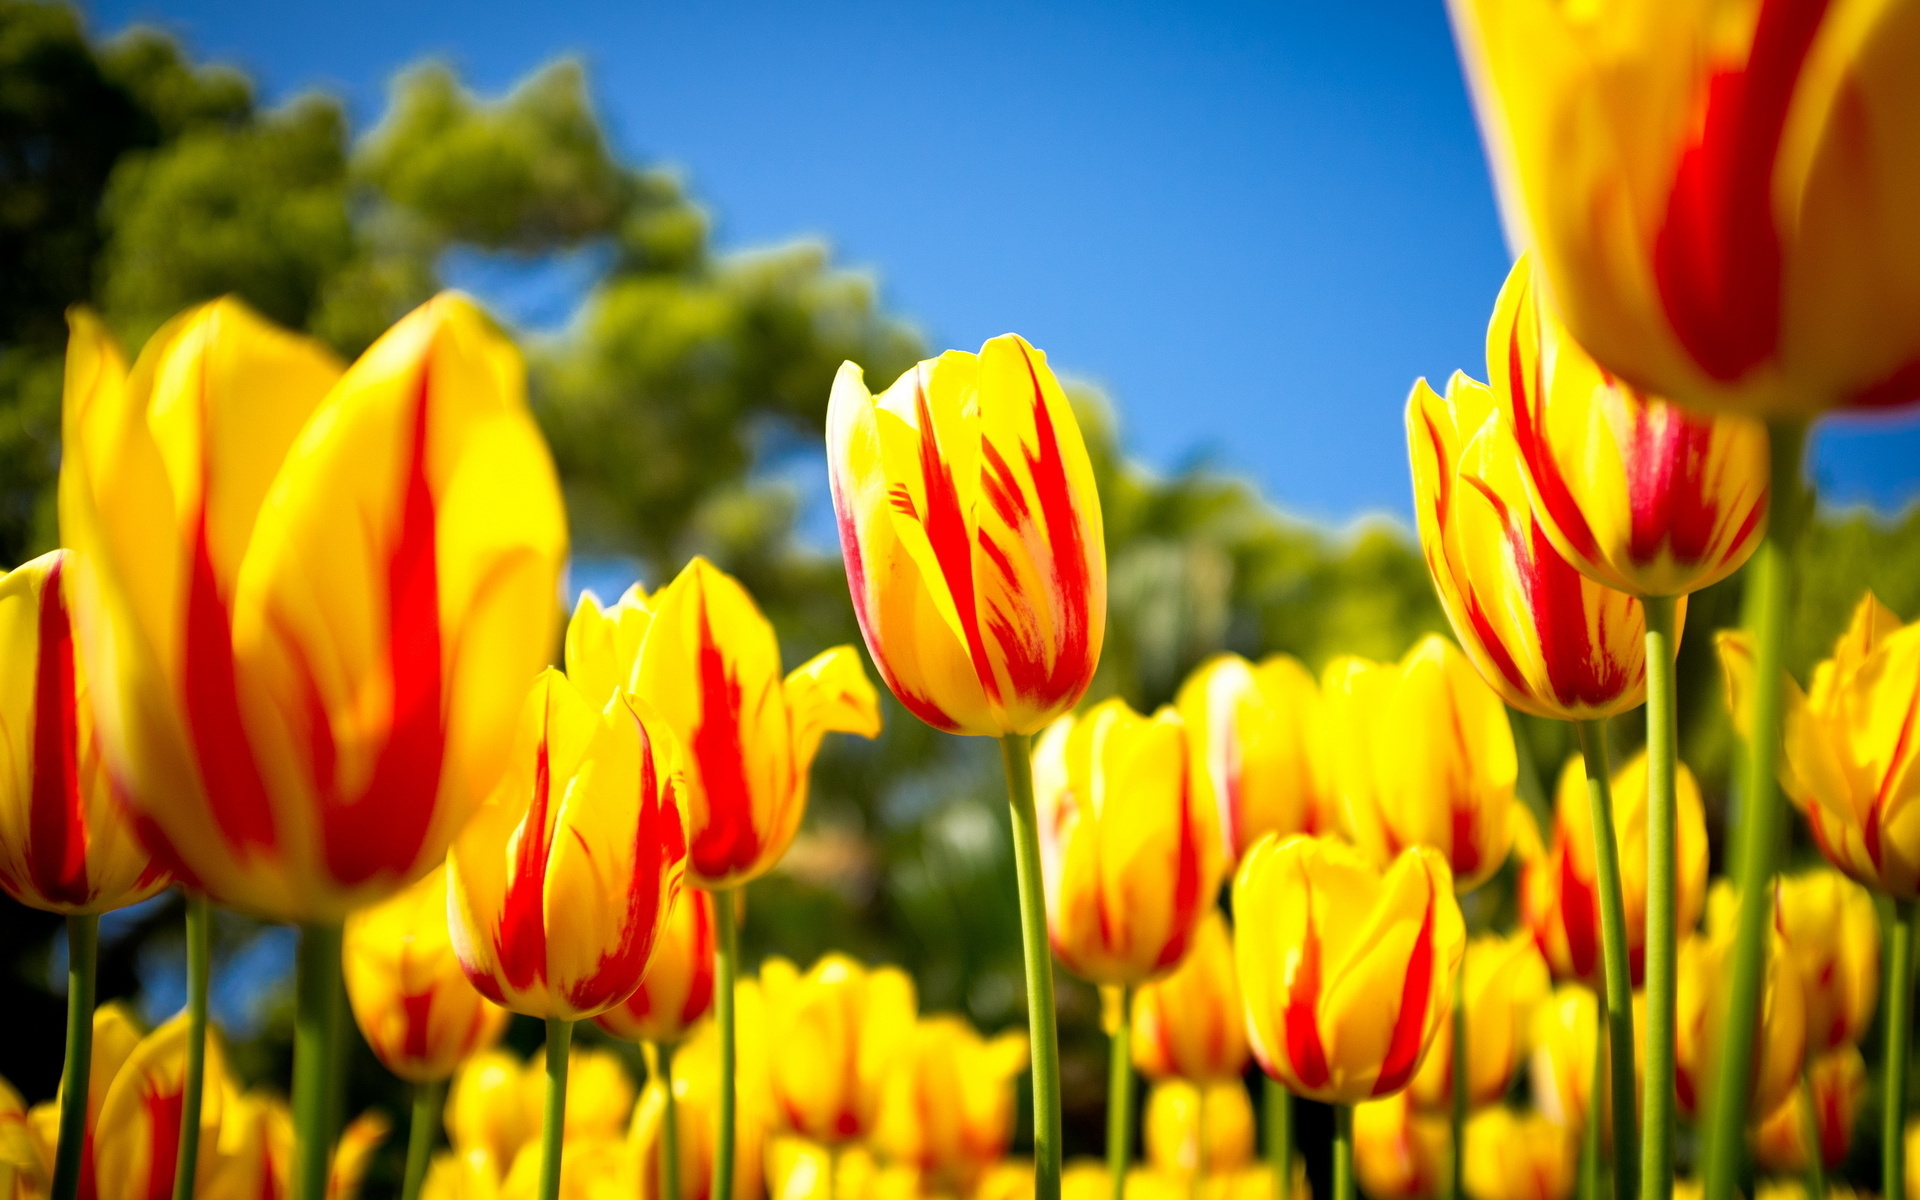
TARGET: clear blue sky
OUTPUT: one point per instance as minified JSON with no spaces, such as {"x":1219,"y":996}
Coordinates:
{"x":1254,"y":224}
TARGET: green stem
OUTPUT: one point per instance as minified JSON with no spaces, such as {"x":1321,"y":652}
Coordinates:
{"x":1460,"y":1069}
{"x":726,"y":966}
{"x":1119,"y":1089}
{"x":1899,"y":1038}
{"x":83,"y":953}
{"x":553,"y":1125}
{"x":316,"y":1027}
{"x":669,"y":1126}
{"x":1590,"y":1151}
{"x":1342,"y":1152}
{"x":1658,"y":1103}
{"x":1810,"y":1135}
{"x":1616,"y":1001}
{"x":199,"y":977}
{"x":1756,"y":847}
{"x":1016,"y":752}
{"x":421,"y":1134}
{"x":1279,"y":1114}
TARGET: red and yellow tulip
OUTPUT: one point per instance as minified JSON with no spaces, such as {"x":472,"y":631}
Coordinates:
{"x":1829,"y":929}
{"x":1505,"y":980}
{"x":947,"y":1108}
{"x":1400,"y":1153}
{"x":832,"y":1036}
{"x":308,"y":601}
{"x":971,"y":530}
{"x":696,"y":1094}
{"x":136,"y":1134}
{"x":1251,"y":733}
{"x":1780,"y":1038}
{"x":1836,"y":1085}
{"x":1190,"y":1024}
{"x":677,"y":989}
{"x":1348,"y":975}
{"x":1519,"y":1156}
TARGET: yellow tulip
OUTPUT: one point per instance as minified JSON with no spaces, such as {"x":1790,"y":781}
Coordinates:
{"x":595,"y":1168}
{"x":562,"y":880}
{"x":1832,"y":934}
{"x":116,"y":1034}
{"x":1398,"y":1152}
{"x":412,"y":1002}
{"x":1505,"y":980}
{"x":1718,"y":195}
{"x":600,"y":1094}
{"x":801,"y":1170}
{"x":308,"y":601}
{"x":1558,"y":892}
{"x":1349,"y":971}
{"x":947,"y":1107}
{"x":696,"y":1094}
{"x":26,"y":1159}
{"x":709,"y":665}
{"x":1425,"y":758}
{"x":1130,"y":856}
{"x":971,"y":529}
{"x":65,"y":843}
{"x":486,"y":1112}
{"x":832,"y":1036}
{"x":1252,"y":734}
{"x":253,"y":1158}
{"x":1637,"y":492}
{"x":137,"y":1132}
{"x":454,"y":1175}
{"x":1848,"y":759}
{"x":1564,"y":1034}
{"x":677,"y":989}
{"x":1202,"y":1129}
{"x":1514,"y":1156}
{"x":1190,"y":1024}
{"x":1780,"y":1041}
{"x":1008,"y":1179}
{"x":1551,"y":641}
{"x":1838,"y":1082}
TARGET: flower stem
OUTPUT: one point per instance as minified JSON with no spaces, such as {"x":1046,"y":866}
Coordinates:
{"x":1899,"y":1038}
{"x":315,"y":1029}
{"x":83,"y":953}
{"x":1658,"y":1102}
{"x":1590,"y":1151}
{"x":1756,"y":847}
{"x":1279,"y":1114}
{"x":1810,"y":1135}
{"x":662,"y":1058}
{"x":1117,"y":1000}
{"x":1616,"y":1000}
{"x":726,"y":967}
{"x":1342,"y":1152}
{"x":553,"y":1126}
{"x":1460,"y":1069}
{"x":421,"y":1134}
{"x":199,"y":977}
{"x":1016,"y":752}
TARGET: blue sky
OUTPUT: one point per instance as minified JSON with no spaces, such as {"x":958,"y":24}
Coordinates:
{"x":1254,"y":224}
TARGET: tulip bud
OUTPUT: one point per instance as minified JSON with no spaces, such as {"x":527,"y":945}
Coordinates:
{"x":1348,"y":975}
{"x":1130,"y":857}
{"x":137,"y":1133}
{"x":1549,"y":640}
{"x":1559,"y":895}
{"x":307,"y":600}
{"x":832,"y":1036}
{"x":1400,"y":1153}
{"x":1505,"y":979}
{"x":1202,"y":1129}
{"x":1251,"y":733}
{"x":1565,"y":1036}
{"x":1426,"y":758}
{"x":1843,"y":755}
{"x":1831,"y":932}
{"x":486,"y":1113}
{"x":1837,"y":1081}
{"x":677,"y":989}
{"x":65,"y":843}
{"x":971,"y":529}
{"x":1514,"y":1156}
{"x":947,"y":1108}
{"x":1191,"y":1023}
{"x":1703,"y":968}
{"x":696,"y":1095}
{"x":411,"y":1000}
{"x":562,"y":880}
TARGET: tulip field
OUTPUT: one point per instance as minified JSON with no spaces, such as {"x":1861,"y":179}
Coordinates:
{"x":1566,"y":845}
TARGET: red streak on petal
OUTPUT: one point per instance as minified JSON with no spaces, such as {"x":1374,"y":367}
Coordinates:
{"x":56,"y":821}
{"x":236,"y":794}
{"x":417,"y":1016}
{"x":520,"y":945}
{"x":1669,"y":493}
{"x":1529,"y":434}
{"x":1403,"y":1048}
{"x":163,"y":1147}
{"x":1579,"y":918}
{"x":1186,"y":882}
{"x":700,"y":984}
{"x":1304,"y":1050}
{"x":729,"y":841}
{"x":1072,"y":650}
{"x":946,"y":529}
{"x":1875,"y":814}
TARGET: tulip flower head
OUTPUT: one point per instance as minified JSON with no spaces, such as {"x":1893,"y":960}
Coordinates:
{"x":1829,"y":929}
{"x":137,"y":1130}
{"x":1252,"y":732}
{"x":1198,"y":1129}
{"x":1347,"y":971}
{"x":561,"y":882}
{"x":116,"y":1035}
{"x":1505,"y":979}
{"x":486,"y":1114}
{"x":1519,"y":1156}
{"x":1191,"y":1024}
{"x":600,"y":1094}
{"x":1400,"y":1153}
{"x":1129,"y":853}
{"x":1425,"y":757}
{"x":801,"y":1170}
{"x":404,"y":983}
{"x":1847,"y":760}
{"x":1837,"y":1081}
{"x":1549,"y":640}
{"x":1559,"y":897}
{"x":832,"y":1036}
{"x":308,"y":601}
{"x":677,"y":989}
{"x":971,"y":530}
{"x":947,"y":1108}
{"x":1564,"y":1034}
{"x":1780,"y":1035}
{"x":696,"y":1095}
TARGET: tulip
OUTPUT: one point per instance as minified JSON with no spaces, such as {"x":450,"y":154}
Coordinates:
{"x":1189,"y":1024}
{"x":1251,"y":732}
{"x":1826,"y":1106}
{"x":947,"y":1108}
{"x":600,"y":1093}
{"x":696,"y":1092}
{"x":832,"y":1036}
{"x":595,"y":1169}
{"x":797,"y":1169}
{"x":1505,"y":978}
{"x":487,"y":1115}
{"x":1425,"y":758}
{"x":1515,"y":1156}
{"x":1564,"y":1034}
{"x":137,"y":1130}
{"x":1199,"y":1129}
{"x":677,"y":989}
{"x":456,"y":1176}
{"x":1398,"y":1152}
{"x":1700,"y":1022}
{"x":23,"y":1153}
{"x":1348,"y":973}
{"x":1829,"y":928}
